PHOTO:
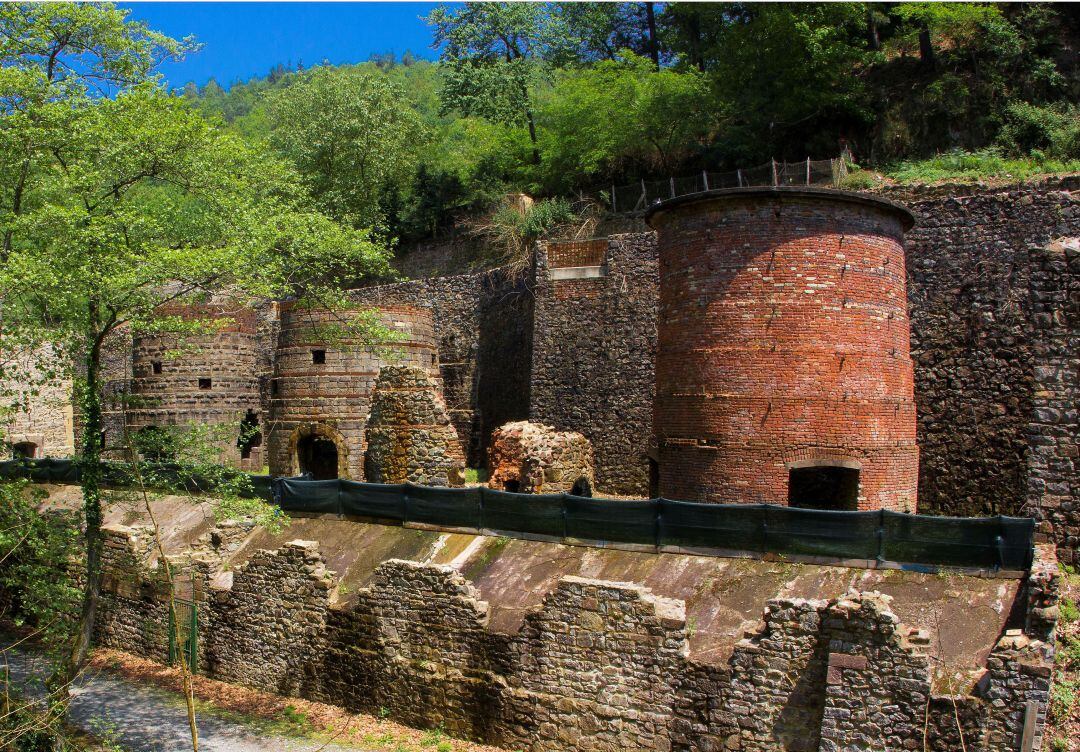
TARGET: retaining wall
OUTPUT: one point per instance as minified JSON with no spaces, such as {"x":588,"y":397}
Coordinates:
{"x":599,"y":665}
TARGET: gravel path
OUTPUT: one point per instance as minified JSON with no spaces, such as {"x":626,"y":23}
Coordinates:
{"x":150,"y":719}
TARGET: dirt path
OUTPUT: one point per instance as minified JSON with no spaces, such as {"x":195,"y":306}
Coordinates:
{"x":148,"y":719}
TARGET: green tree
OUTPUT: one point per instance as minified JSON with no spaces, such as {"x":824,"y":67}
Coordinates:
{"x":622,"y":118}
{"x":351,"y":134}
{"x":128,"y":203}
{"x":494,"y":54}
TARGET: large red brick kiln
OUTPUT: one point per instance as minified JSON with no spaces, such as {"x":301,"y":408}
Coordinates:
{"x":783,"y":373}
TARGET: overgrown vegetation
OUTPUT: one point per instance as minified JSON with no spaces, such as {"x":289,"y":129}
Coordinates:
{"x":553,"y":100}
{"x":1063,"y":722}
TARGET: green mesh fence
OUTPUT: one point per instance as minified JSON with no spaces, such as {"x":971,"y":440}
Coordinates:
{"x":983,"y":542}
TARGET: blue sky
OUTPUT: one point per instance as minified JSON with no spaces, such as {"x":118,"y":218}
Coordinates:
{"x":242,"y":40}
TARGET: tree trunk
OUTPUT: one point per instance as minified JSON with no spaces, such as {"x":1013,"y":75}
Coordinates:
{"x":91,"y":476}
{"x":873,"y":39}
{"x":654,"y":45}
{"x":926,"y":49}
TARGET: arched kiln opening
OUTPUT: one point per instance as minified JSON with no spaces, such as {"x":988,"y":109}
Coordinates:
{"x":26,"y":450}
{"x":317,"y":455}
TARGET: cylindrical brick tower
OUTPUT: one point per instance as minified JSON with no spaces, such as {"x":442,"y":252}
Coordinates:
{"x":206,"y":380}
{"x":783,"y":371}
{"x":320,"y":396}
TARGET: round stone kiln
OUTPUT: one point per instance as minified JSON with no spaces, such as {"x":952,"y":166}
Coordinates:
{"x":206,"y":380}
{"x":320,"y":396}
{"x":783,"y":371}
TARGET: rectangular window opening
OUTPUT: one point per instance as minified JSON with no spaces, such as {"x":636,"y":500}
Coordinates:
{"x":156,"y":365}
{"x":318,"y":357}
{"x":824,"y":487}
{"x":205,"y":383}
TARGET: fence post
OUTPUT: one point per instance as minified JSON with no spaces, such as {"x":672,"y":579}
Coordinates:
{"x":671,"y":182}
{"x":738,"y":174}
{"x":480,"y":504}
{"x":644,"y":194}
{"x":613,"y":209}
{"x":774,"y":179}
{"x":658,"y":523}
{"x":705,"y":179}
{"x":562,"y":505}
{"x":881,"y":536}
{"x":808,"y":170}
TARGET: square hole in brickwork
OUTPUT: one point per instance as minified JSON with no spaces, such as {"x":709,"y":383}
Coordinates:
{"x":156,"y":366}
{"x":318,"y":357}
{"x":824,"y":487}
{"x":205,"y":383}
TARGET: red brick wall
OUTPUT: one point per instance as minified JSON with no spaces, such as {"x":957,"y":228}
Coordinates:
{"x":783,"y":336}
{"x":569,"y":253}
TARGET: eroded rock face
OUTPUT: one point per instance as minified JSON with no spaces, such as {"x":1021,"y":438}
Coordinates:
{"x":534,"y":458}
{"x":409,"y":433}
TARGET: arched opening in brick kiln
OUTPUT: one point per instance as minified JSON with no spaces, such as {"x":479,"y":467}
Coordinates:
{"x":26,"y":450}
{"x":317,"y":455}
{"x":581,"y":487}
{"x":824,"y":484}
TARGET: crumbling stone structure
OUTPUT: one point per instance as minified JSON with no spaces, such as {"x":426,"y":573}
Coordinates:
{"x":409,"y":434}
{"x":209,"y":380}
{"x":321,"y":391}
{"x":596,"y":665}
{"x":783,"y":374}
{"x":532,"y":458}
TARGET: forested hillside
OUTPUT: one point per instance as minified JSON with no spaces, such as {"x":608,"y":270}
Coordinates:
{"x":556,"y":100}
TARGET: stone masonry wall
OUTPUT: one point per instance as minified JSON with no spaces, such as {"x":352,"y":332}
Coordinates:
{"x":1053,"y":430}
{"x":35,"y":407}
{"x":483,"y":328}
{"x":971,"y":295}
{"x":598,"y":665}
{"x":409,"y":434}
{"x":594,"y":349}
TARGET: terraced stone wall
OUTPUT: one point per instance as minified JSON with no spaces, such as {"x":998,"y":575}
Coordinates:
{"x":598,"y":665}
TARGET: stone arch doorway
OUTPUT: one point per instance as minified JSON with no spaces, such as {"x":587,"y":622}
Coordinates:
{"x":319,"y":456}
{"x":319,"y":450}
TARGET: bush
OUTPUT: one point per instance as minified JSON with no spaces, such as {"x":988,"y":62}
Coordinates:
{"x":1053,"y":130}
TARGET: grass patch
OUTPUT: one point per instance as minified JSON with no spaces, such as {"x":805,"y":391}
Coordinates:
{"x":476,"y":475}
{"x":987,"y":164}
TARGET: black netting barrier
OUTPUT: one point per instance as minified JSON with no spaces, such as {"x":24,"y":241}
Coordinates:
{"x":262,"y":487}
{"x":812,"y":532}
{"x":1004,"y":542}
{"x":313,"y":496}
{"x":688,"y":524}
{"x":983,"y":542}
{"x":381,"y":500}
{"x":449,"y":507}
{"x":540,"y":514}
{"x":609,"y":520}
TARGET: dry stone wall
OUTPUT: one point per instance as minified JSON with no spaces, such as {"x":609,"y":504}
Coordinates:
{"x":409,"y":434}
{"x":594,"y":349}
{"x":599,"y":665}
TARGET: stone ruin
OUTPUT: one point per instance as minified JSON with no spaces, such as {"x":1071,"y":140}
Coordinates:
{"x":533,"y":458}
{"x":409,"y":434}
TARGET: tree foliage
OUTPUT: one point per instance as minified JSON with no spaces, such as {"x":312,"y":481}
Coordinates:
{"x":352,"y":136}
